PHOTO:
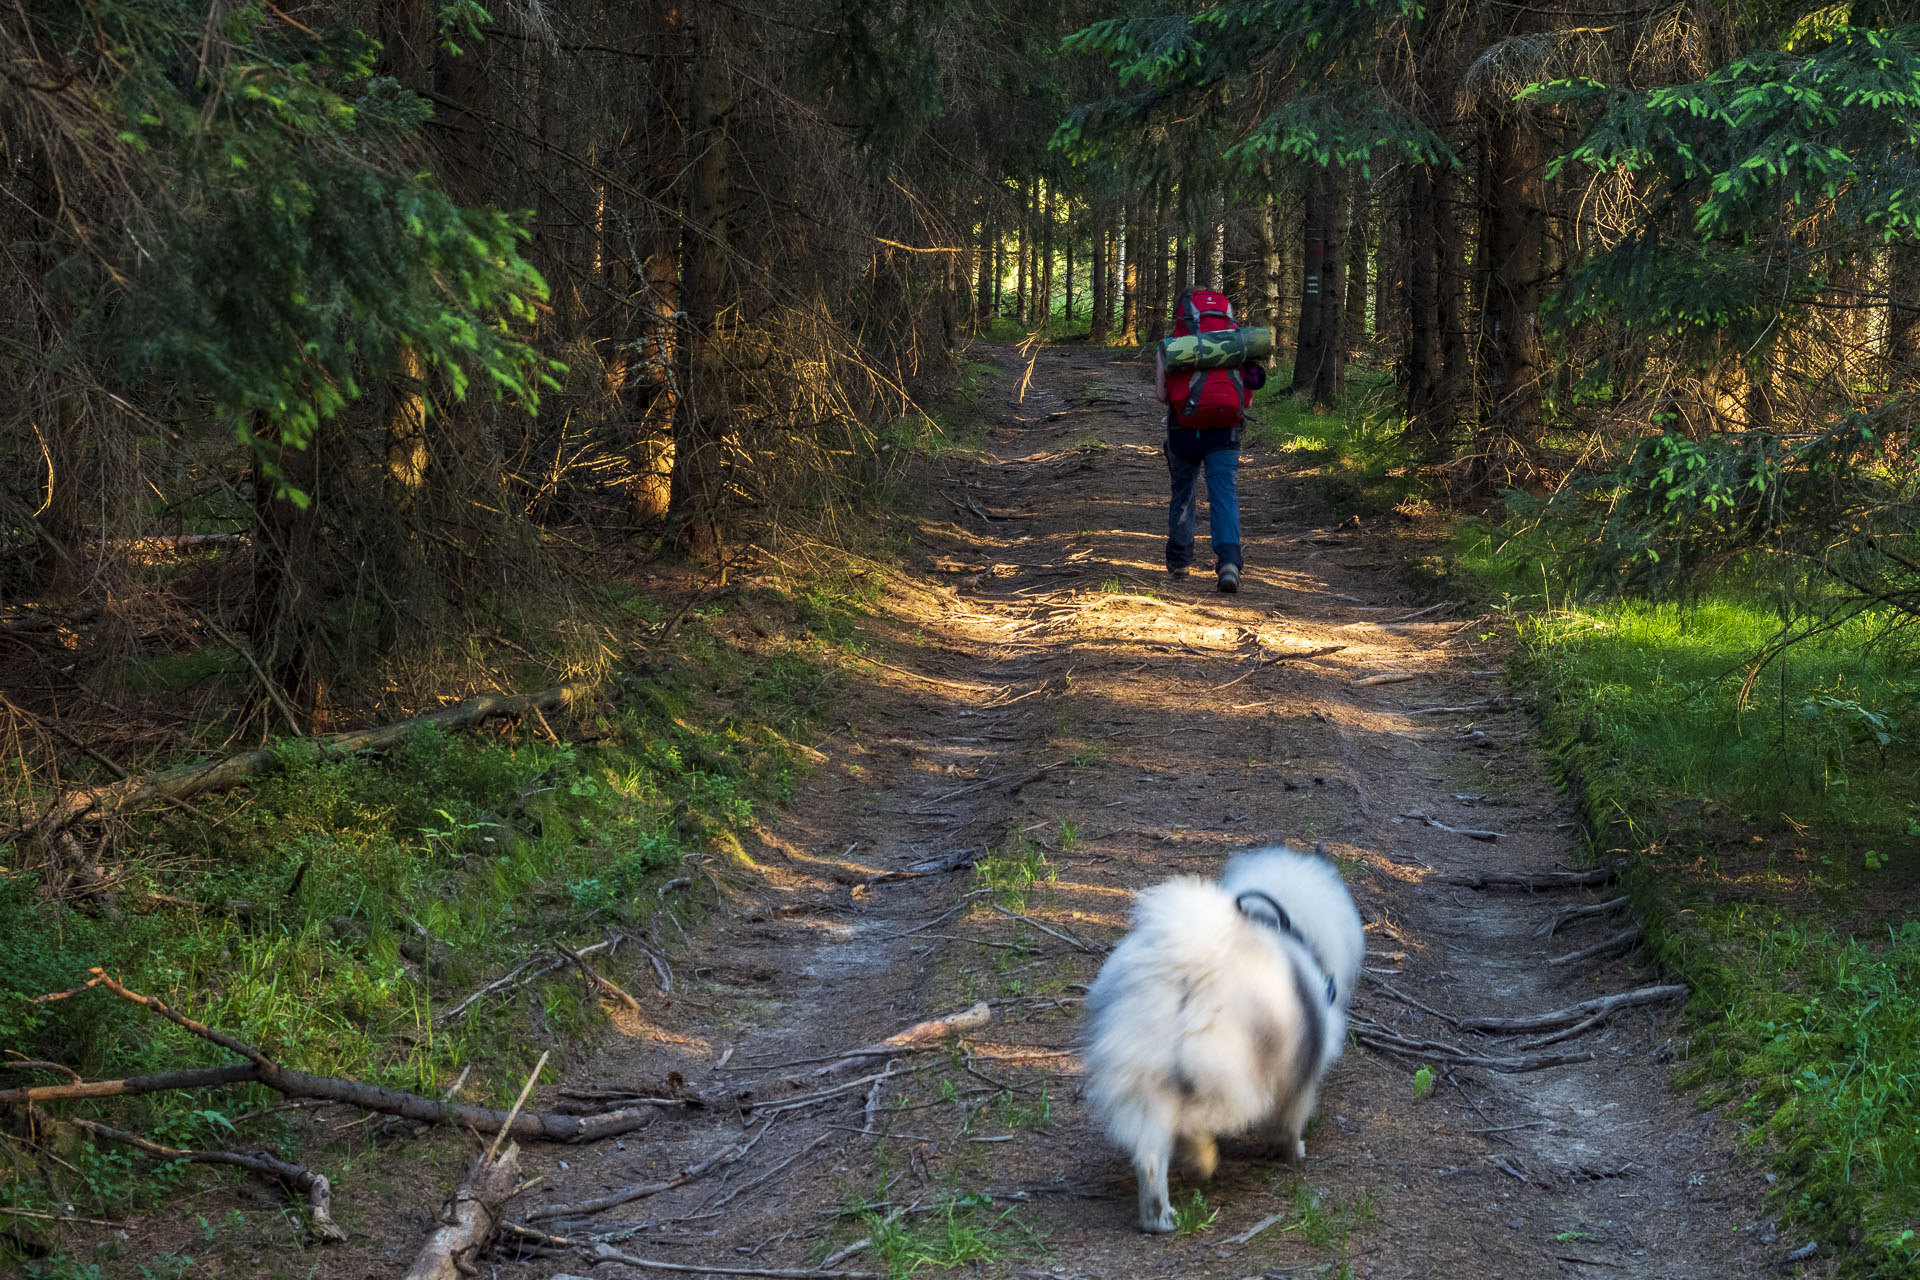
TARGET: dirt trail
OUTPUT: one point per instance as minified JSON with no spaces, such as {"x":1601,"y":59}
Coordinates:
{"x":1046,"y":684}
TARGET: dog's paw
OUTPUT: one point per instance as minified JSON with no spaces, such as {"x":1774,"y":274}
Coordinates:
{"x":1299,"y":1152}
{"x":1157,"y":1223}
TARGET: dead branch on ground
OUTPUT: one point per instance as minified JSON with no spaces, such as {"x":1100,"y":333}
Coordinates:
{"x":260,"y":1069}
{"x":607,"y":1253}
{"x":1472,"y":833}
{"x":317,"y":1191}
{"x":595,"y":980}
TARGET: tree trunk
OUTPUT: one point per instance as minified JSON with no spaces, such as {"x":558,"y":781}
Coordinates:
{"x":1130,"y":240}
{"x":1309,"y":353}
{"x":1098,"y":267}
{"x":1182,"y":266}
{"x":1158,"y":265}
{"x":1046,"y":256}
{"x":1020,"y":262}
{"x":657,"y":396}
{"x":1903,"y":318}
{"x":1425,"y":422}
{"x":1267,"y":251}
{"x":1455,"y":375}
{"x":1330,"y":382}
{"x":1359,"y":255}
{"x":284,"y":621}
{"x":700,"y":425}
{"x":1067,"y":254}
{"x":1507,"y":443}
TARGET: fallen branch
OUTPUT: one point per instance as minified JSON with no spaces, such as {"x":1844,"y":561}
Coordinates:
{"x":1065,"y":937}
{"x":1404,"y":998}
{"x":313,"y":1186}
{"x":220,"y":775}
{"x":1528,"y":880}
{"x":1559,"y":918}
{"x":1472,"y":833}
{"x":1490,"y":704}
{"x":1271,"y":1220}
{"x":1386,"y":677}
{"x":918,"y":1035}
{"x":1573,"y":1013}
{"x":1620,"y":941}
{"x":1320,"y":651}
{"x":260,"y":1069}
{"x":607,"y":1253}
{"x":607,"y":985}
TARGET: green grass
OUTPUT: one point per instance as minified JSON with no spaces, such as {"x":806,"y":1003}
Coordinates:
{"x":1776,"y":865}
{"x":1013,"y":872}
{"x":1361,"y":463}
{"x":295,"y":910}
{"x":1193,"y":1217}
{"x":967,"y":1231}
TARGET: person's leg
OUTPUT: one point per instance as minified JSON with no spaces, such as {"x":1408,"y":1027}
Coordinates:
{"x":1223,"y":506}
{"x":1180,"y":510}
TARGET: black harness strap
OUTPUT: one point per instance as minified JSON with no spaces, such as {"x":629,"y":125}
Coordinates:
{"x":1282,"y":923}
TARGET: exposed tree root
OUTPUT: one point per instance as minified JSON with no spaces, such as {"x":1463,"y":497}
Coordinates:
{"x":1574,"y":1013}
{"x":1621,"y":941}
{"x":1528,"y":880}
{"x":627,"y":1195}
{"x":313,"y":1186}
{"x":1559,"y":918}
{"x":1373,"y":1035}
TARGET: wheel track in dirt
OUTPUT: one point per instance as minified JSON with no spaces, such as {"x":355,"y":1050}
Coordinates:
{"x":1036,"y":674}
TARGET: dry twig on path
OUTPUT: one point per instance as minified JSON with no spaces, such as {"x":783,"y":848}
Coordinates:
{"x":1385,"y":677}
{"x":1472,"y":833}
{"x":594,"y":979}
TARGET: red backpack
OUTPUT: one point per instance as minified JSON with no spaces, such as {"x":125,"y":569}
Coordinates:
{"x":1205,"y":399}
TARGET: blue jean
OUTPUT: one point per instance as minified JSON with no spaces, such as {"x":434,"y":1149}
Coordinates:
{"x":1222,"y":467}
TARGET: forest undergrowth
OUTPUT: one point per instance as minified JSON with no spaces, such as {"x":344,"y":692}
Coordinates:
{"x":1770,"y":821}
{"x":343,"y":914}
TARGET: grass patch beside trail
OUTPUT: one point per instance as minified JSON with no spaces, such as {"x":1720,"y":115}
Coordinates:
{"x":1360,"y":463}
{"x":333,"y":912}
{"x":1776,"y":862}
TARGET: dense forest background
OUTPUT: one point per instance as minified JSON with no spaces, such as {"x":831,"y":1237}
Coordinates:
{"x":352,"y":356}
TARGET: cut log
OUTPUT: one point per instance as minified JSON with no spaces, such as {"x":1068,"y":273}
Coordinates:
{"x":469,"y":1220}
{"x":221,"y":775}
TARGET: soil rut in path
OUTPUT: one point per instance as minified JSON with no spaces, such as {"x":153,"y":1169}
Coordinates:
{"x":1049,"y":706}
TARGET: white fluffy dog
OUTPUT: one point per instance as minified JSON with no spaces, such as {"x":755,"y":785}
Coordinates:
{"x":1219,"y":1011}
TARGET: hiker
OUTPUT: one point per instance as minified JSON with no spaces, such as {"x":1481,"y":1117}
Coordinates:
{"x":1205,"y":411}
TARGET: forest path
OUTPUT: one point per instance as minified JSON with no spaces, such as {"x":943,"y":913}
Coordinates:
{"x":1042,"y":697}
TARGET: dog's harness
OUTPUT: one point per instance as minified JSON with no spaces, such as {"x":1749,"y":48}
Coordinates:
{"x":1281,"y":923}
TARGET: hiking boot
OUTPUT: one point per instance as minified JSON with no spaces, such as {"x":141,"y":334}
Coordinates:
{"x":1176,"y":571}
{"x":1229,"y":578}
